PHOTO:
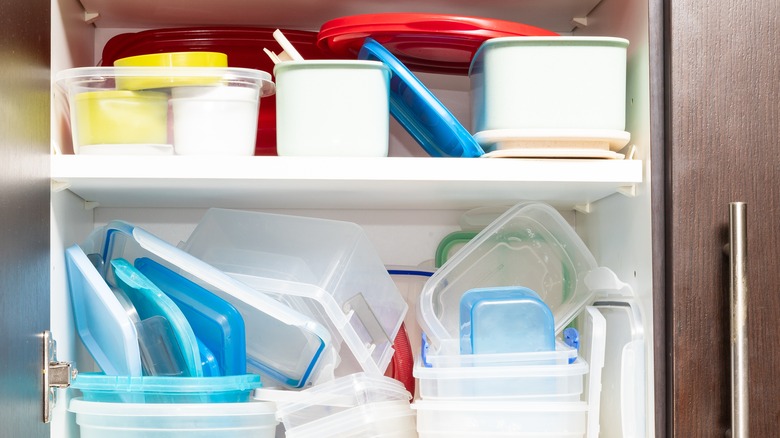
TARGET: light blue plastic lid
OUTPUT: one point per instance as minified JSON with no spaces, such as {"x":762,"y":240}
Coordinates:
{"x":411,"y":103}
{"x":505,"y":320}
{"x":149,"y":302}
{"x":102,"y":323}
{"x":164,"y":389}
{"x":215,"y":322}
{"x":286,"y":345}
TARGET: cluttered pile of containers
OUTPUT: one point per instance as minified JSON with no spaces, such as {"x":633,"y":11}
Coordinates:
{"x":262,"y":319}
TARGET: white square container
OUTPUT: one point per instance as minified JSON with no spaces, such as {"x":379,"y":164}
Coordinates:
{"x":540,"y":382}
{"x":174,"y":420}
{"x":549,"y":83}
{"x":160,"y":110}
{"x":322,"y":268}
{"x":332,"y":108}
{"x":500,"y":418}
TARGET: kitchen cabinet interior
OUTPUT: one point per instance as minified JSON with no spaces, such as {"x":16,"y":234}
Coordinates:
{"x":406,"y":203}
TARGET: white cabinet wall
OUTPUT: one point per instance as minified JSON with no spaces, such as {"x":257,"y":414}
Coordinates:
{"x":406,"y":203}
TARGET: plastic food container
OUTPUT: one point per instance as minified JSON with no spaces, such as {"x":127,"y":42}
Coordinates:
{"x":283,"y":345}
{"x":174,"y":59}
{"x":500,"y":418}
{"x":323,"y":268}
{"x":332,"y":108}
{"x":205,"y":420}
{"x":110,"y":110}
{"x":530,"y":245}
{"x":358,"y":406}
{"x":559,"y":82}
{"x":214,"y":120}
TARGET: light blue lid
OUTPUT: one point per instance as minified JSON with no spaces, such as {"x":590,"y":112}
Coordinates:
{"x":216,"y":323}
{"x":101,"y":322}
{"x":286,"y":345}
{"x":505,"y":320}
{"x":150,"y":302}
{"x":419,"y":111}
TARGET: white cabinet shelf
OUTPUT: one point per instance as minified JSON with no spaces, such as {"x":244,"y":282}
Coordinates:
{"x":365,"y":183}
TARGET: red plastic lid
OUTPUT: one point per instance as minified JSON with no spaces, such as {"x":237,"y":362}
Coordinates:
{"x":243,"y":46}
{"x":433,"y":43}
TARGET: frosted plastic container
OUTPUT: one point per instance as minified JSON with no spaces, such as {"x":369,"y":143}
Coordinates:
{"x":541,"y":382}
{"x":125,"y":110}
{"x":530,"y":245}
{"x":500,"y":418}
{"x":283,"y":345}
{"x":323,"y":268}
{"x":99,"y":387}
{"x":560,"y":82}
{"x":332,"y":108}
{"x":357,"y":405}
{"x":206,"y":420}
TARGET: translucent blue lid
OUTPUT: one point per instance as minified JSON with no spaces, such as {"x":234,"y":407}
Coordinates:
{"x":216,"y":323}
{"x":411,"y":103}
{"x":102,"y":323}
{"x":150,"y":302}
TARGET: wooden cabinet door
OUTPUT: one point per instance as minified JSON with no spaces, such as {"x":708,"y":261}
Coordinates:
{"x":722,"y":145}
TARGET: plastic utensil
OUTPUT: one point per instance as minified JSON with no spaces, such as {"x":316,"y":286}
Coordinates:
{"x":289,"y":49}
{"x":430,"y":123}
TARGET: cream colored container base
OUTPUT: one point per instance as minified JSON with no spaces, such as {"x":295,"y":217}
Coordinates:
{"x":332,"y":108}
{"x":549,"y":83}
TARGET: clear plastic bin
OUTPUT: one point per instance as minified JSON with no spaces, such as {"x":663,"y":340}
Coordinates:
{"x":531,"y":245}
{"x":323,"y":268}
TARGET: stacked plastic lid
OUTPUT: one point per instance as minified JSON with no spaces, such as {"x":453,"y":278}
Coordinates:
{"x":436,"y":43}
{"x":288,"y":352}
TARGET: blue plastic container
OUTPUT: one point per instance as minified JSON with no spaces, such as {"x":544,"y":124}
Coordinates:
{"x":505,"y":320}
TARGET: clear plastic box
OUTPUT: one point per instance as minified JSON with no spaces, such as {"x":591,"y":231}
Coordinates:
{"x":323,"y":268}
{"x":161,"y":110}
{"x":500,"y":418}
{"x":357,"y":405}
{"x":205,"y":420}
{"x":531,"y":245}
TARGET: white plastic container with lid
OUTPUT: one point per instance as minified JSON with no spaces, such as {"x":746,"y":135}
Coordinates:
{"x":322,"y":268}
{"x":332,"y":108}
{"x":174,"y":420}
{"x":546,"y":83}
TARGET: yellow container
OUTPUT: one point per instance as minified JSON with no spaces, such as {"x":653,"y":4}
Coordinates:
{"x":120,"y":117}
{"x":171,"y":59}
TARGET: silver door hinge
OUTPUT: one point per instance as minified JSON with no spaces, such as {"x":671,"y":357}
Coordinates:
{"x":55,"y":375}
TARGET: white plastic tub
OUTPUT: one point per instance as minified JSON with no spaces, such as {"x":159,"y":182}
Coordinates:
{"x":332,"y":108}
{"x":500,"y":418}
{"x":200,"y":420}
{"x":549,"y":83}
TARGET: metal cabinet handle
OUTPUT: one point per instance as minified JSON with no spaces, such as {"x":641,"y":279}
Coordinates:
{"x":738,"y":302}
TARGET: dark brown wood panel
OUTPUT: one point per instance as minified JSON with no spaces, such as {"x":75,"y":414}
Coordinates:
{"x":723,"y":145}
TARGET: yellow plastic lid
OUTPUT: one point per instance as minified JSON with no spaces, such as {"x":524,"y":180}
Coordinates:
{"x":175,"y":59}
{"x":119,"y":94}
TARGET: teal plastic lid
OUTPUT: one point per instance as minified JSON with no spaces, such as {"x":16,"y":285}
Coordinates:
{"x":427,"y":120}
